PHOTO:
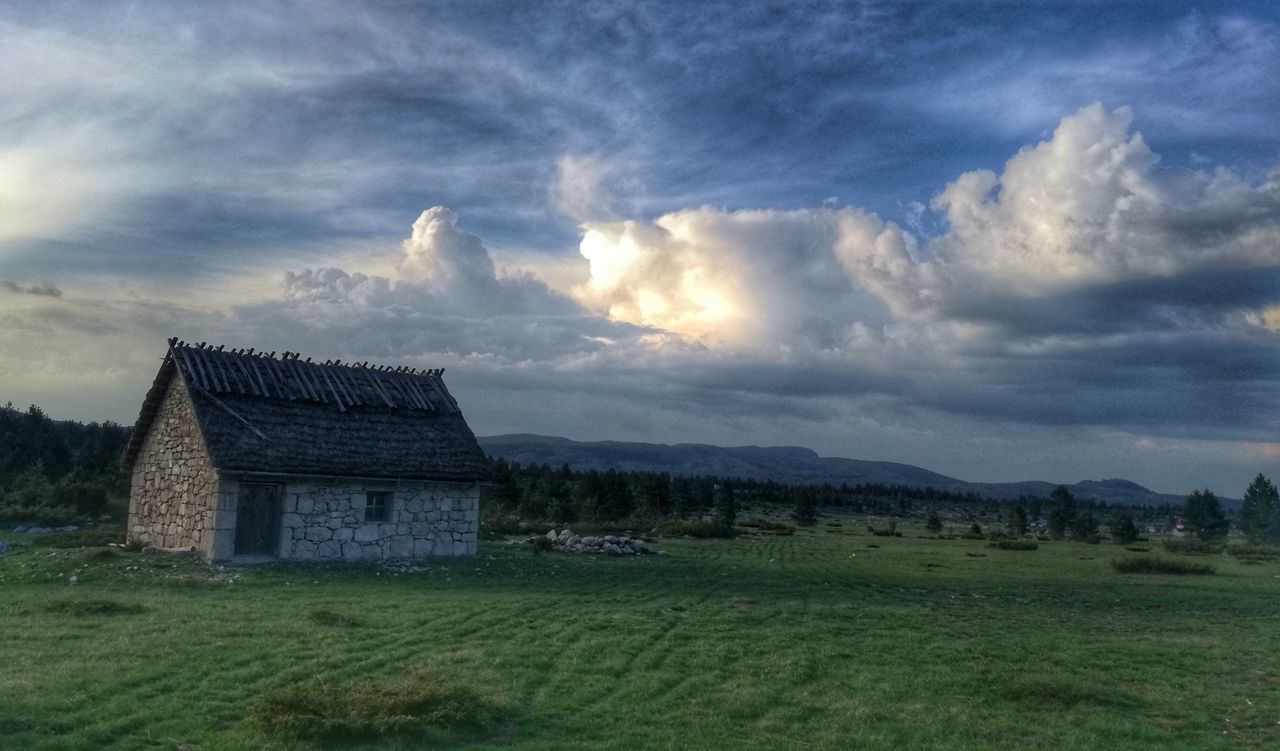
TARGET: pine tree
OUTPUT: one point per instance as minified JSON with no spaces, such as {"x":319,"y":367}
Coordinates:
{"x":1062,"y":513}
{"x":726,"y":505}
{"x":1260,"y":514}
{"x":933,"y":523}
{"x":1018,"y":520}
{"x":1203,"y":514}
{"x":806,"y":511}
{"x":1084,"y":527}
{"x":1123,"y":529}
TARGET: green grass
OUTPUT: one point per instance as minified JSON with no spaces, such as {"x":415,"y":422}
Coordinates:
{"x":813,"y":640}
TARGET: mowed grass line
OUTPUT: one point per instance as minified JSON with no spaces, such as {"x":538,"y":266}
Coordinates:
{"x":808,"y":641}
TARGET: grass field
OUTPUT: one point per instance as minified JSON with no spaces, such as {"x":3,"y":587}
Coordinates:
{"x":820,"y":640}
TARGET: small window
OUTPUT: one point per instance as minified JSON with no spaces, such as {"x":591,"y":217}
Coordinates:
{"x":377,"y":506}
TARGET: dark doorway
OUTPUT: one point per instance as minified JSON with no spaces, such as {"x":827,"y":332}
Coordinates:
{"x":257,"y":519}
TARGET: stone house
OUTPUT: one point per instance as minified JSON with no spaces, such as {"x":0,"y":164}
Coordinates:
{"x":244,"y":456}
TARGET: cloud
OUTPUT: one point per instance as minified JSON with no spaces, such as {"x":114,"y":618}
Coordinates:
{"x":1085,"y":209}
{"x":746,"y":279}
{"x":41,"y":290}
{"x":447,"y":297}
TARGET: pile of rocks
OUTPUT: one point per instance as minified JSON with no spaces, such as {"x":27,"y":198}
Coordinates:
{"x":568,"y":542}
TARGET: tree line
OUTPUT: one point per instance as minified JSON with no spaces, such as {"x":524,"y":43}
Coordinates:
{"x":54,"y":471}
{"x":540,"y":493}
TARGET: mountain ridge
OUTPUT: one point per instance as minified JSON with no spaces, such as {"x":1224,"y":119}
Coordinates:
{"x":789,"y":464}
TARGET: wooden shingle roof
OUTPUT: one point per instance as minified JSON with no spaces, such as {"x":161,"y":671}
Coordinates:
{"x":261,"y":413}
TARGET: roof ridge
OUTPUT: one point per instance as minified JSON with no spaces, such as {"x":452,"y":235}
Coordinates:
{"x":249,"y":372}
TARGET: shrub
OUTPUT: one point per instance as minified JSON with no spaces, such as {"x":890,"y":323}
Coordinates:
{"x":83,"y":538}
{"x":889,"y":531}
{"x":997,"y":535}
{"x":764,"y":525}
{"x":497,"y":526}
{"x":973,"y":536}
{"x":933,"y":523}
{"x":541,"y":544}
{"x":1138,"y":549}
{"x":93,"y":607}
{"x":40,"y":514}
{"x":1252,"y":552}
{"x":333,"y":618}
{"x":366,"y":710}
{"x":1156,"y":565}
{"x":695,"y":528}
{"x":1192,"y":546}
{"x":1017,"y":544}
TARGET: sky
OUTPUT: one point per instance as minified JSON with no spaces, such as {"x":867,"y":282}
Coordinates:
{"x":1002,"y":241}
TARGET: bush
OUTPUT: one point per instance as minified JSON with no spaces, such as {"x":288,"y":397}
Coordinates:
{"x":83,"y":538}
{"x":1192,"y":546}
{"x":695,"y":528}
{"x":93,"y":607}
{"x":497,"y":526}
{"x":333,"y":618}
{"x":541,"y":544}
{"x":764,"y":525}
{"x":367,"y":710}
{"x":47,"y":515}
{"x":1156,"y":565}
{"x":889,"y":531}
{"x":1137,"y":549}
{"x":1016,"y":545}
{"x":1252,"y":552}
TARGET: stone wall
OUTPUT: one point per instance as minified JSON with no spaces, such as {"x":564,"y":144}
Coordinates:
{"x":324,"y":519}
{"x":174,"y":487}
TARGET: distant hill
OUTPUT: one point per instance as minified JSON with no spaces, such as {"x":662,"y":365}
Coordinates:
{"x":789,"y":464}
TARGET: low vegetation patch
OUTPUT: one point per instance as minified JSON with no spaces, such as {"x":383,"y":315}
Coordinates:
{"x":326,"y":617}
{"x":1015,"y":545}
{"x":102,"y":555}
{"x":1253,"y":552}
{"x":369,"y":710}
{"x":498,"y":526}
{"x":82,"y":538}
{"x":1061,"y":694}
{"x":1137,"y":549}
{"x":764,"y":525}
{"x":698,"y":528}
{"x":1157,"y":565}
{"x":37,"y":514}
{"x":93,"y":607}
{"x":1192,"y":546}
